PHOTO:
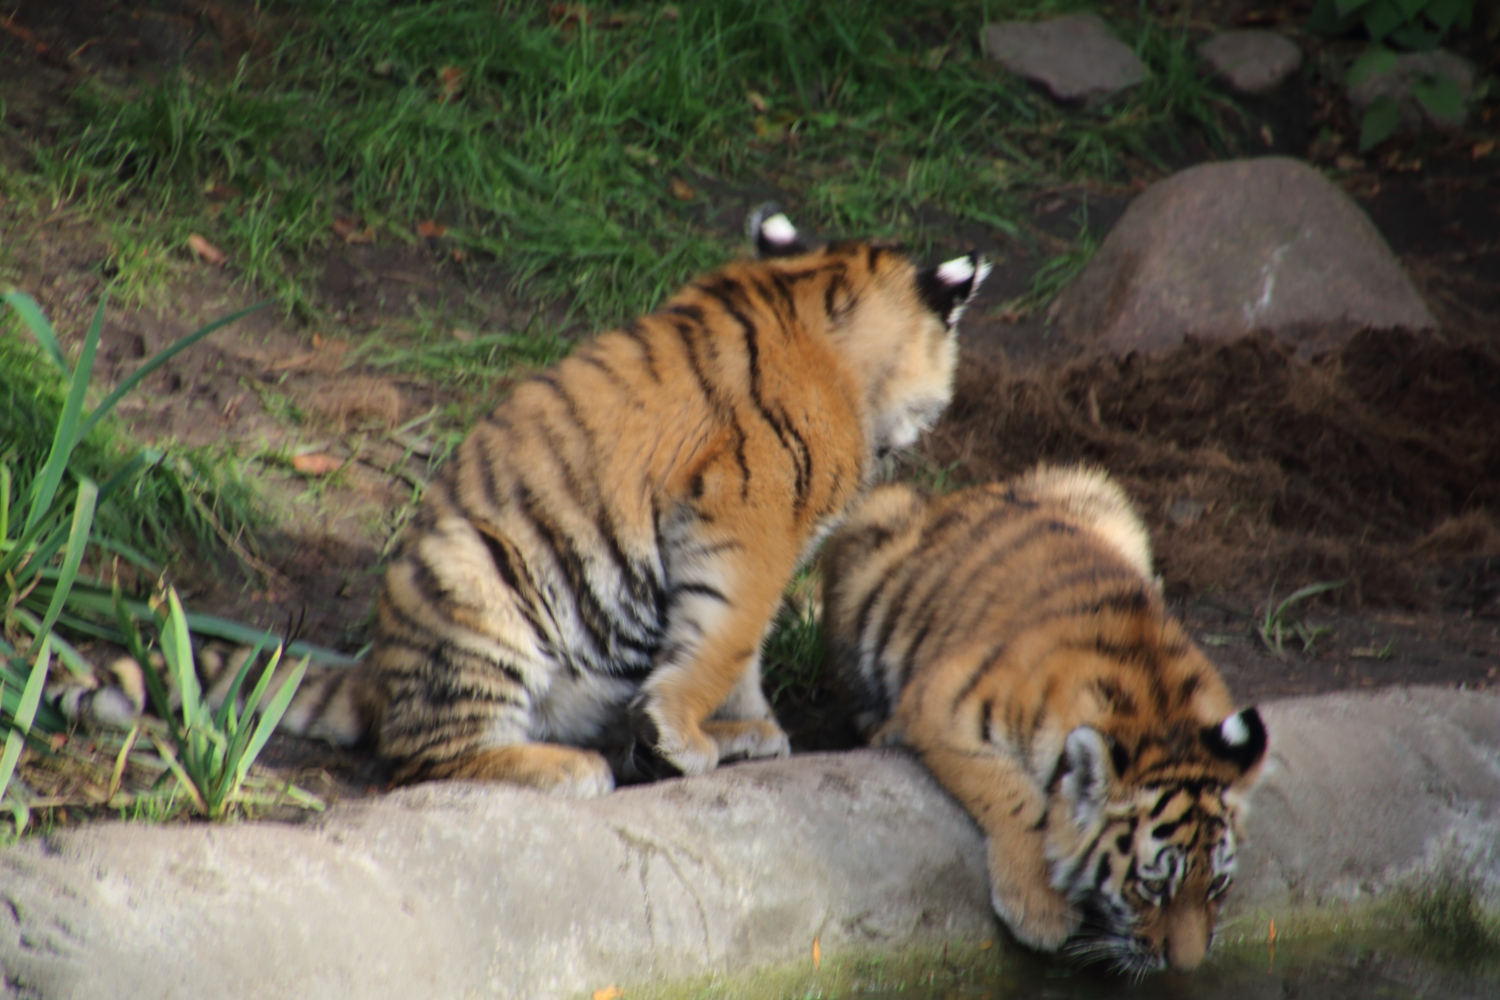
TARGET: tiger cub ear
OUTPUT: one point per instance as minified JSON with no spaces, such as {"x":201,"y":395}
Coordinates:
{"x":1239,"y":739}
{"x":772,"y":233}
{"x":1085,"y":772}
{"x":948,"y":288}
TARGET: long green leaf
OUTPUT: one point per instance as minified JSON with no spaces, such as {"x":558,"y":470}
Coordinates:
{"x":241,"y":739}
{"x":32,"y":315}
{"x":90,"y":597}
{"x":25,"y":714}
{"x":68,"y":435}
{"x":271,"y":717}
{"x":159,"y":359}
{"x":78,"y":540}
{"x":226,"y":709}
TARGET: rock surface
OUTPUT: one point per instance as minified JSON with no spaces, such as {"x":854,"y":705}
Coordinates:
{"x":1413,"y":68}
{"x":1224,"y":249}
{"x":461,"y":890}
{"x":1252,"y":60}
{"x":1075,"y":57}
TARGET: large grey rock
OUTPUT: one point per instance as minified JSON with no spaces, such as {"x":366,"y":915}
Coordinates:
{"x":1414,"y":68}
{"x":1253,"y":60}
{"x":472,"y":891}
{"x":1075,"y":57}
{"x":1224,"y":249}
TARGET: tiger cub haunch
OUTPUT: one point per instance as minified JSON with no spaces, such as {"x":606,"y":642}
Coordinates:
{"x":1012,"y":635}
{"x":599,"y":561}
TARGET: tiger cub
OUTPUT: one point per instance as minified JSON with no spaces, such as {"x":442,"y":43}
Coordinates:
{"x":1012,"y":635}
{"x":599,"y":561}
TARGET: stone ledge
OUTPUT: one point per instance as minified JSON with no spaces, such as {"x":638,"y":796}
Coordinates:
{"x":461,"y":890}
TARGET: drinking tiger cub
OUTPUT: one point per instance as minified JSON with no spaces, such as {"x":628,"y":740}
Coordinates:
{"x":1014,"y":637}
{"x":597,"y":564}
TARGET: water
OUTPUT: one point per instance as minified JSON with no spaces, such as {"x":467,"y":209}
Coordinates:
{"x":1373,"y":968}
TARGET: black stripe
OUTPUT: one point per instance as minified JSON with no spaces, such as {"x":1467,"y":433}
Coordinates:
{"x":791,"y":439}
{"x":695,"y":587}
{"x":636,"y":333}
{"x":975,"y":677}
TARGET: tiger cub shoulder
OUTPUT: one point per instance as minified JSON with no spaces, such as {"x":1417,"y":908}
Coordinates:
{"x":1013,"y":635}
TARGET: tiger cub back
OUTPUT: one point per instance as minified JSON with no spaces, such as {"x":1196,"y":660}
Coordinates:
{"x":1013,"y":636}
{"x":596,"y":566}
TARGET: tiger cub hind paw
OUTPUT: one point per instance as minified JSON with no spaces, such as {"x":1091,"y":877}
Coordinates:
{"x":566,"y":772}
{"x":1038,"y":919}
{"x":747,"y":739}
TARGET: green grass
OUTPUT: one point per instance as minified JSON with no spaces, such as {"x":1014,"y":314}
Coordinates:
{"x":554,"y":145}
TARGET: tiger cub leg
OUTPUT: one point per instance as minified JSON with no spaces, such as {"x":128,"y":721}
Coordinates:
{"x":461,"y":668}
{"x":548,"y":767}
{"x":711,"y":664}
{"x":745,"y":725}
{"x":1011,"y":811}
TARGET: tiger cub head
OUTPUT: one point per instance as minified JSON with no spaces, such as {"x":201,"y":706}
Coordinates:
{"x":894,"y":324}
{"x":1142,"y":840}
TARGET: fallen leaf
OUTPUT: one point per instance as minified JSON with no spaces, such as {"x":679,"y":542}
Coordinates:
{"x":316,"y":463}
{"x":758,"y":101}
{"x":610,"y":992}
{"x":1483,"y":149}
{"x":429,"y":230}
{"x":681,"y":189}
{"x":206,"y":250}
{"x":453,"y":83}
{"x":1266,"y":136}
{"x":1347,"y":162}
{"x":22,"y":35}
{"x":817,"y":955}
{"x":458,"y":255}
{"x":349,"y":231}
{"x":986,"y":944}
{"x":223,"y":192}
{"x":58,"y":740}
{"x":462,"y":336}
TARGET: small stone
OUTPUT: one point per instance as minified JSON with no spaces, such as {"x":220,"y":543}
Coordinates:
{"x":1186,"y":511}
{"x":1075,"y":57}
{"x":1413,"y":68}
{"x":1252,"y":60}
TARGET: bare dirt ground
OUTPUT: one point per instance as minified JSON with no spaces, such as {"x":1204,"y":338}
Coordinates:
{"x":1378,"y":466}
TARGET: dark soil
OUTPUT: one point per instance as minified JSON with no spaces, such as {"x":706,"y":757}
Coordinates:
{"x":1377,"y":466}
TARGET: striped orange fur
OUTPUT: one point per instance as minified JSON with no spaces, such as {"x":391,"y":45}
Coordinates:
{"x":1013,"y":636}
{"x":597,"y":564}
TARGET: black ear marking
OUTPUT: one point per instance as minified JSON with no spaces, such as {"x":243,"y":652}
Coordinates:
{"x":772,"y":233}
{"x":948,"y":288}
{"x":1240,"y":739}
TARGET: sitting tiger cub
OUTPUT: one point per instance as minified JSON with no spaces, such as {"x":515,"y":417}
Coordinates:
{"x":1012,"y":635}
{"x":600,"y":559}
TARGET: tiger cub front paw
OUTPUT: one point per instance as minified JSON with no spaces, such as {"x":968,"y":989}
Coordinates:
{"x":1038,"y":916}
{"x":676,"y":749}
{"x":739,"y":739}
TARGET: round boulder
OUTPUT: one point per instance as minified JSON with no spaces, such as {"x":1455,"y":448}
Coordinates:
{"x":1222,"y":250}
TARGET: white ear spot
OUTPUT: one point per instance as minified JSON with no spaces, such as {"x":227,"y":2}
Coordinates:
{"x":956,"y":271}
{"x":1234,"y":730}
{"x":778,"y":229}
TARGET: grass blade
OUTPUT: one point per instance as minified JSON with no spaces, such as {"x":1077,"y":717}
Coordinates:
{"x":233,"y":693}
{"x":271,"y":717}
{"x":31,"y":314}
{"x":157,"y":360}
{"x":78,"y":540}
{"x":25,"y":714}
{"x":68,"y":434}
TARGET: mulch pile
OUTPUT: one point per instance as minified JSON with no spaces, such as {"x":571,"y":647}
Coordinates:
{"x":1378,"y":465}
